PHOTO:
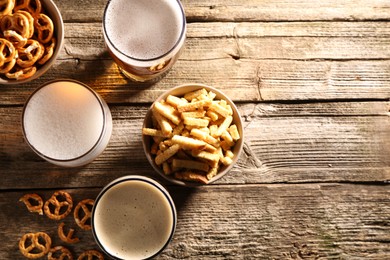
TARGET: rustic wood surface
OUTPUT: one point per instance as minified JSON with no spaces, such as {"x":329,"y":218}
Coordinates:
{"x":312,"y":82}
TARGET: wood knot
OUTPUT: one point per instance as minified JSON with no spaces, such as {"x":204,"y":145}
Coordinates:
{"x":301,"y":251}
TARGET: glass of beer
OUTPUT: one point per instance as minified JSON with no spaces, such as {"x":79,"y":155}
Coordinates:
{"x":66,"y":123}
{"x":133,"y":217}
{"x":144,"y":37}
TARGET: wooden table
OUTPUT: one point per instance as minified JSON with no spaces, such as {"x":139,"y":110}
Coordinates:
{"x":312,"y":82}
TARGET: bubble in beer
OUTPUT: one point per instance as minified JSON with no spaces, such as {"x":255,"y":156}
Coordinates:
{"x":135,"y":229}
{"x":63,"y":120}
{"x":144,"y":29}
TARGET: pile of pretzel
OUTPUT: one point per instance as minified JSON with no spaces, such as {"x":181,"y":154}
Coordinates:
{"x":57,"y":207}
{"x":26,"y":38}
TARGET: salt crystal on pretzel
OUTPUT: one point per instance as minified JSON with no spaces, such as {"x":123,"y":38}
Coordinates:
{"x":17,"y":40}
{"x":21,"y":73}
{"x":19,"y":27}
{"x":30,"y":53}
{"x":17,"y":22}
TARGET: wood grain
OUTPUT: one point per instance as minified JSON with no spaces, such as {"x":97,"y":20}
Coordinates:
{"x":287,"y":221}
{"x":312,"y":83}
{"x":249,"y":10}
{"x":308,"y":142}
{"x":248,"y":61}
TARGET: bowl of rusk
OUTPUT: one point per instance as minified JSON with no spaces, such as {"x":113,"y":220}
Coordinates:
{"x":31,"y":37}
{"x":192,"y":135}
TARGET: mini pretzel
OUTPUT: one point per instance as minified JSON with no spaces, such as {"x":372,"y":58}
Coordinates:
{"x":17,"y":22}
{"x":26,"y":199}
{"x":19,"y":73}
{"x":7,"y":55}
{"x":35,"y":245}
{"x":30,"y":20}
{"x":7,"y":66}
{"x":58,"y":205}
{"x":82,"y":223}
{"x":49,"y":50}
{"x":6,"y":7}
{"x":17,"y":40}
{"x":33,"y":6}
{"x":44,"y":28}
{"x":89,"y":254}
{"x":65,"y":253}
{"x":30,"y":53}
{"x":68,"y":238}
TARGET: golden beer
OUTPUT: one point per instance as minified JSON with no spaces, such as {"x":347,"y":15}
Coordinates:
{"x":144,"y":37}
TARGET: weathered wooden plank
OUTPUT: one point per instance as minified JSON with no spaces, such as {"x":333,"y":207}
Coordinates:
{"x":307,"y":221}
{"x":275,"y":10}
{"x":309,"y":142}
{"x":247,"y":80}
{"x":250,"y":10}
{"x":289,"y":29}
{"x":251,"y":61}
{"x":332,"y":40}
{"x":263,"y":61}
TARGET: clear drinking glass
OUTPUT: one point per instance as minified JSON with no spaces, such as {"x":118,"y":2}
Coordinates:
{"x":66,"y":123}
{"x":144,"y":37}
{"x":133,"y":217}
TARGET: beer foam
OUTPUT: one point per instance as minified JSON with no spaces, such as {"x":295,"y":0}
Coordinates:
{"x":143,"y":30}
{"x":133,"y":220}
{"x":63,"y":120}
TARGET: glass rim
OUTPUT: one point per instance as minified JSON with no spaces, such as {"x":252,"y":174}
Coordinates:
{"x":89,"y":150}
{"x":137,"y":178}
{"x":175,"y":46}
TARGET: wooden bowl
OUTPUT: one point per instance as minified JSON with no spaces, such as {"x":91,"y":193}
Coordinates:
{"x":180,"y":91}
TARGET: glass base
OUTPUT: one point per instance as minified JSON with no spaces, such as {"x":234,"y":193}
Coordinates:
{"x":144,"y":79}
